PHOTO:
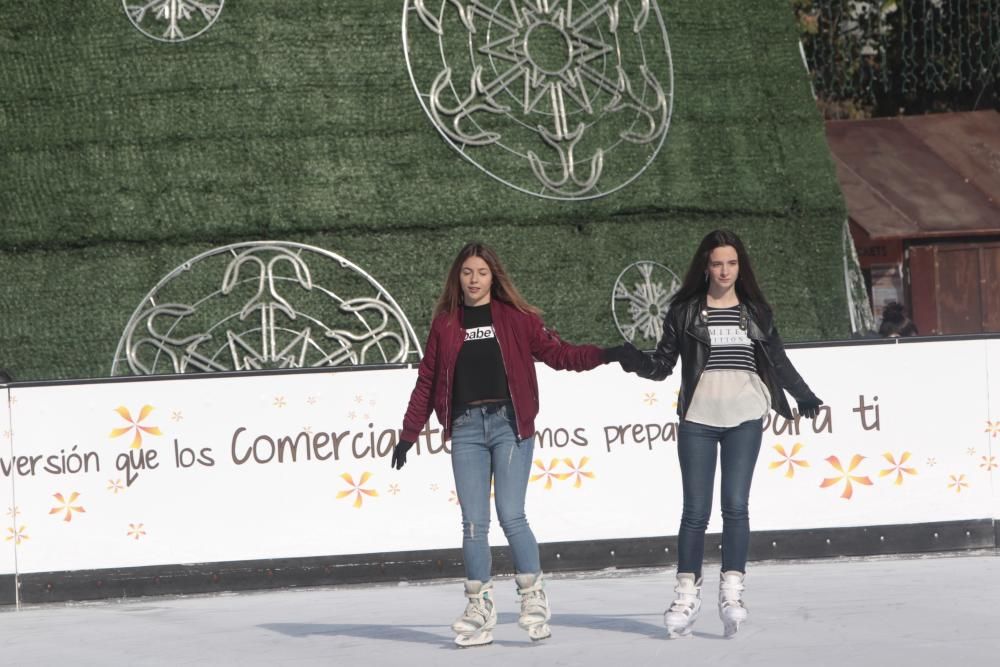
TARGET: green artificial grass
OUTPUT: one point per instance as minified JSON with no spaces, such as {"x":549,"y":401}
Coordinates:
{"x":121,"y":157}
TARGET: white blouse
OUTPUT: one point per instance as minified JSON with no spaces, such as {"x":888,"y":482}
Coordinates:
{"x":728,"y":397}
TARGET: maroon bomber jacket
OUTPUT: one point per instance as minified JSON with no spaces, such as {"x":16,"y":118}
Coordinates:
{"x":522,"y":337}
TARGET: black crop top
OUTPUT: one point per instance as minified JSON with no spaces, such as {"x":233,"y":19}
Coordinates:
{"x":479,"y":369}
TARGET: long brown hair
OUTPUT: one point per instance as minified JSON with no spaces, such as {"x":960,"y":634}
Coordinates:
{"x":502,"y":287}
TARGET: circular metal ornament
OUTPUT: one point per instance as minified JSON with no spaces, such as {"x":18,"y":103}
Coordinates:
{"x":264,"y":304}
{"x":640,"y":299}
{"x":560,"y":99}
{"x":172,"y":20}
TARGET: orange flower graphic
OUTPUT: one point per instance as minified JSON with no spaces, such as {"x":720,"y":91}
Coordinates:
{"x":115,"y":486}
{"x":16,"y":536}
{"x":135,"y":424}
{"x":992,"y":428}
{"x":135,"y":530}
{"x":547,"y":473}
{"x":897,"y":467}
{"x":649,"y":398}
{"x":578,"y":471}
{"x":67,"y":506}
{"x":958,"y":483}
{"x":786,"y":459}
{"x":356,"y":488}
{"x":847,"y":476}
{"x":453,"y":497}
{"x":989,"y":463}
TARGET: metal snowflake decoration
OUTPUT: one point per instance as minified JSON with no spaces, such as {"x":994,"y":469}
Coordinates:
{"x":640,"y":299}
{"x":172,"y":20}
{"x":579,"y":92}
{"x":279,"y":304}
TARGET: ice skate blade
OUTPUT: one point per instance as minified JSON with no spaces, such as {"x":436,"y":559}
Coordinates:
{"x":680,"y":631}
{"x":729,"y":629}
{"x":539,"y":632}
{"x":475,"y":639}
{"x":532,"y":622}
{"x":731,"y":624}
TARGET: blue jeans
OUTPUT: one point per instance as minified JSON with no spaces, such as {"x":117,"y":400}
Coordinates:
{"x":485,"y":447}
{"x":696,"y":449}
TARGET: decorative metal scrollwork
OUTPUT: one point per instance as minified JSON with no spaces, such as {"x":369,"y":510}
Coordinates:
{"x":172,"y":20}
{"x":639,"y":301}
{"x":556,"y":98}
{"x":264,"y":305}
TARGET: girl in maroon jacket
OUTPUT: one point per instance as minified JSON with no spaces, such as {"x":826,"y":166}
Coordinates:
{"x":478,"y":376}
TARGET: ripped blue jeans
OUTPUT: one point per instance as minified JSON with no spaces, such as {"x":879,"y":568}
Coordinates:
{"x":485,"y":447}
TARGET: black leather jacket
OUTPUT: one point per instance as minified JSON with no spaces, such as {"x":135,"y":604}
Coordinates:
{"x":685,"y":334}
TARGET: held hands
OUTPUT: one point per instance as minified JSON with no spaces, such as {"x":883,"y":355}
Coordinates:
{"x":809,"y":408}
{"x":628,"y":355}
{"x":399,"y":454}
{"x":613,"y":354}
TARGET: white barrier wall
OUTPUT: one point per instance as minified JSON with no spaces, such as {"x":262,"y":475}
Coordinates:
{"x":991,"y":431}
{"x":12,"y":522}
{"x":133,"y":473}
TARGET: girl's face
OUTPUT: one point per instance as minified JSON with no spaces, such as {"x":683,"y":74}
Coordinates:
{"x":477,"y":279}
{"x":723,"y":268}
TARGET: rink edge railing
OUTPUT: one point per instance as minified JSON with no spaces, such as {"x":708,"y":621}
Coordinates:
{"x":181,"y":579}
{"x":185,"y":579}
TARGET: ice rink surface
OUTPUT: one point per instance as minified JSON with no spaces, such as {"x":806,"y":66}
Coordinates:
{"x":890,"y":612}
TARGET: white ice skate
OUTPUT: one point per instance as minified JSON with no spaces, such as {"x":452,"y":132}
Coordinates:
{"x":731,"y":609}
{"x":684,"y":610}
{"x":535,"y":612}
{"x":475,"y":626}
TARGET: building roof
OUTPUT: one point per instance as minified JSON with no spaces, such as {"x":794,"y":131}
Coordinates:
{"x":920,"y":176}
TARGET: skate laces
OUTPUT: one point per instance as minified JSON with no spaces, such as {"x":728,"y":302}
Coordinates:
{"x":682,"y":605}
{"x":729,"y":593}
{"x":478,"y":608}
{"x":533,"y":600}
{"x":687,"y":596}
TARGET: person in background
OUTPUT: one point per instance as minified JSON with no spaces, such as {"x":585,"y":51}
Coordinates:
{"x":478,"y":375}
{"x":895,"y":323}
{"x":733,"y":371}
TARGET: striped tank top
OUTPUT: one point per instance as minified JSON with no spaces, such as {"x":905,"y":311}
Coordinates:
{"x":729,"y":392}
{"x":731,"y":348}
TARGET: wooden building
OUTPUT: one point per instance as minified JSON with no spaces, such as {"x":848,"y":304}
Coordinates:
{"x":923,"y":196}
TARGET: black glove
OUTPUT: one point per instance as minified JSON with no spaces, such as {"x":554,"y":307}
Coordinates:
{"x":631,"y":358}
{"x":809,"y":408}
{"x":613,"y":354}
{"x":399,"y":454}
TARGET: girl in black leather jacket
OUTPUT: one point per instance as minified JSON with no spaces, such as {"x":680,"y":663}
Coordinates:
{"x":733,"y":371}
